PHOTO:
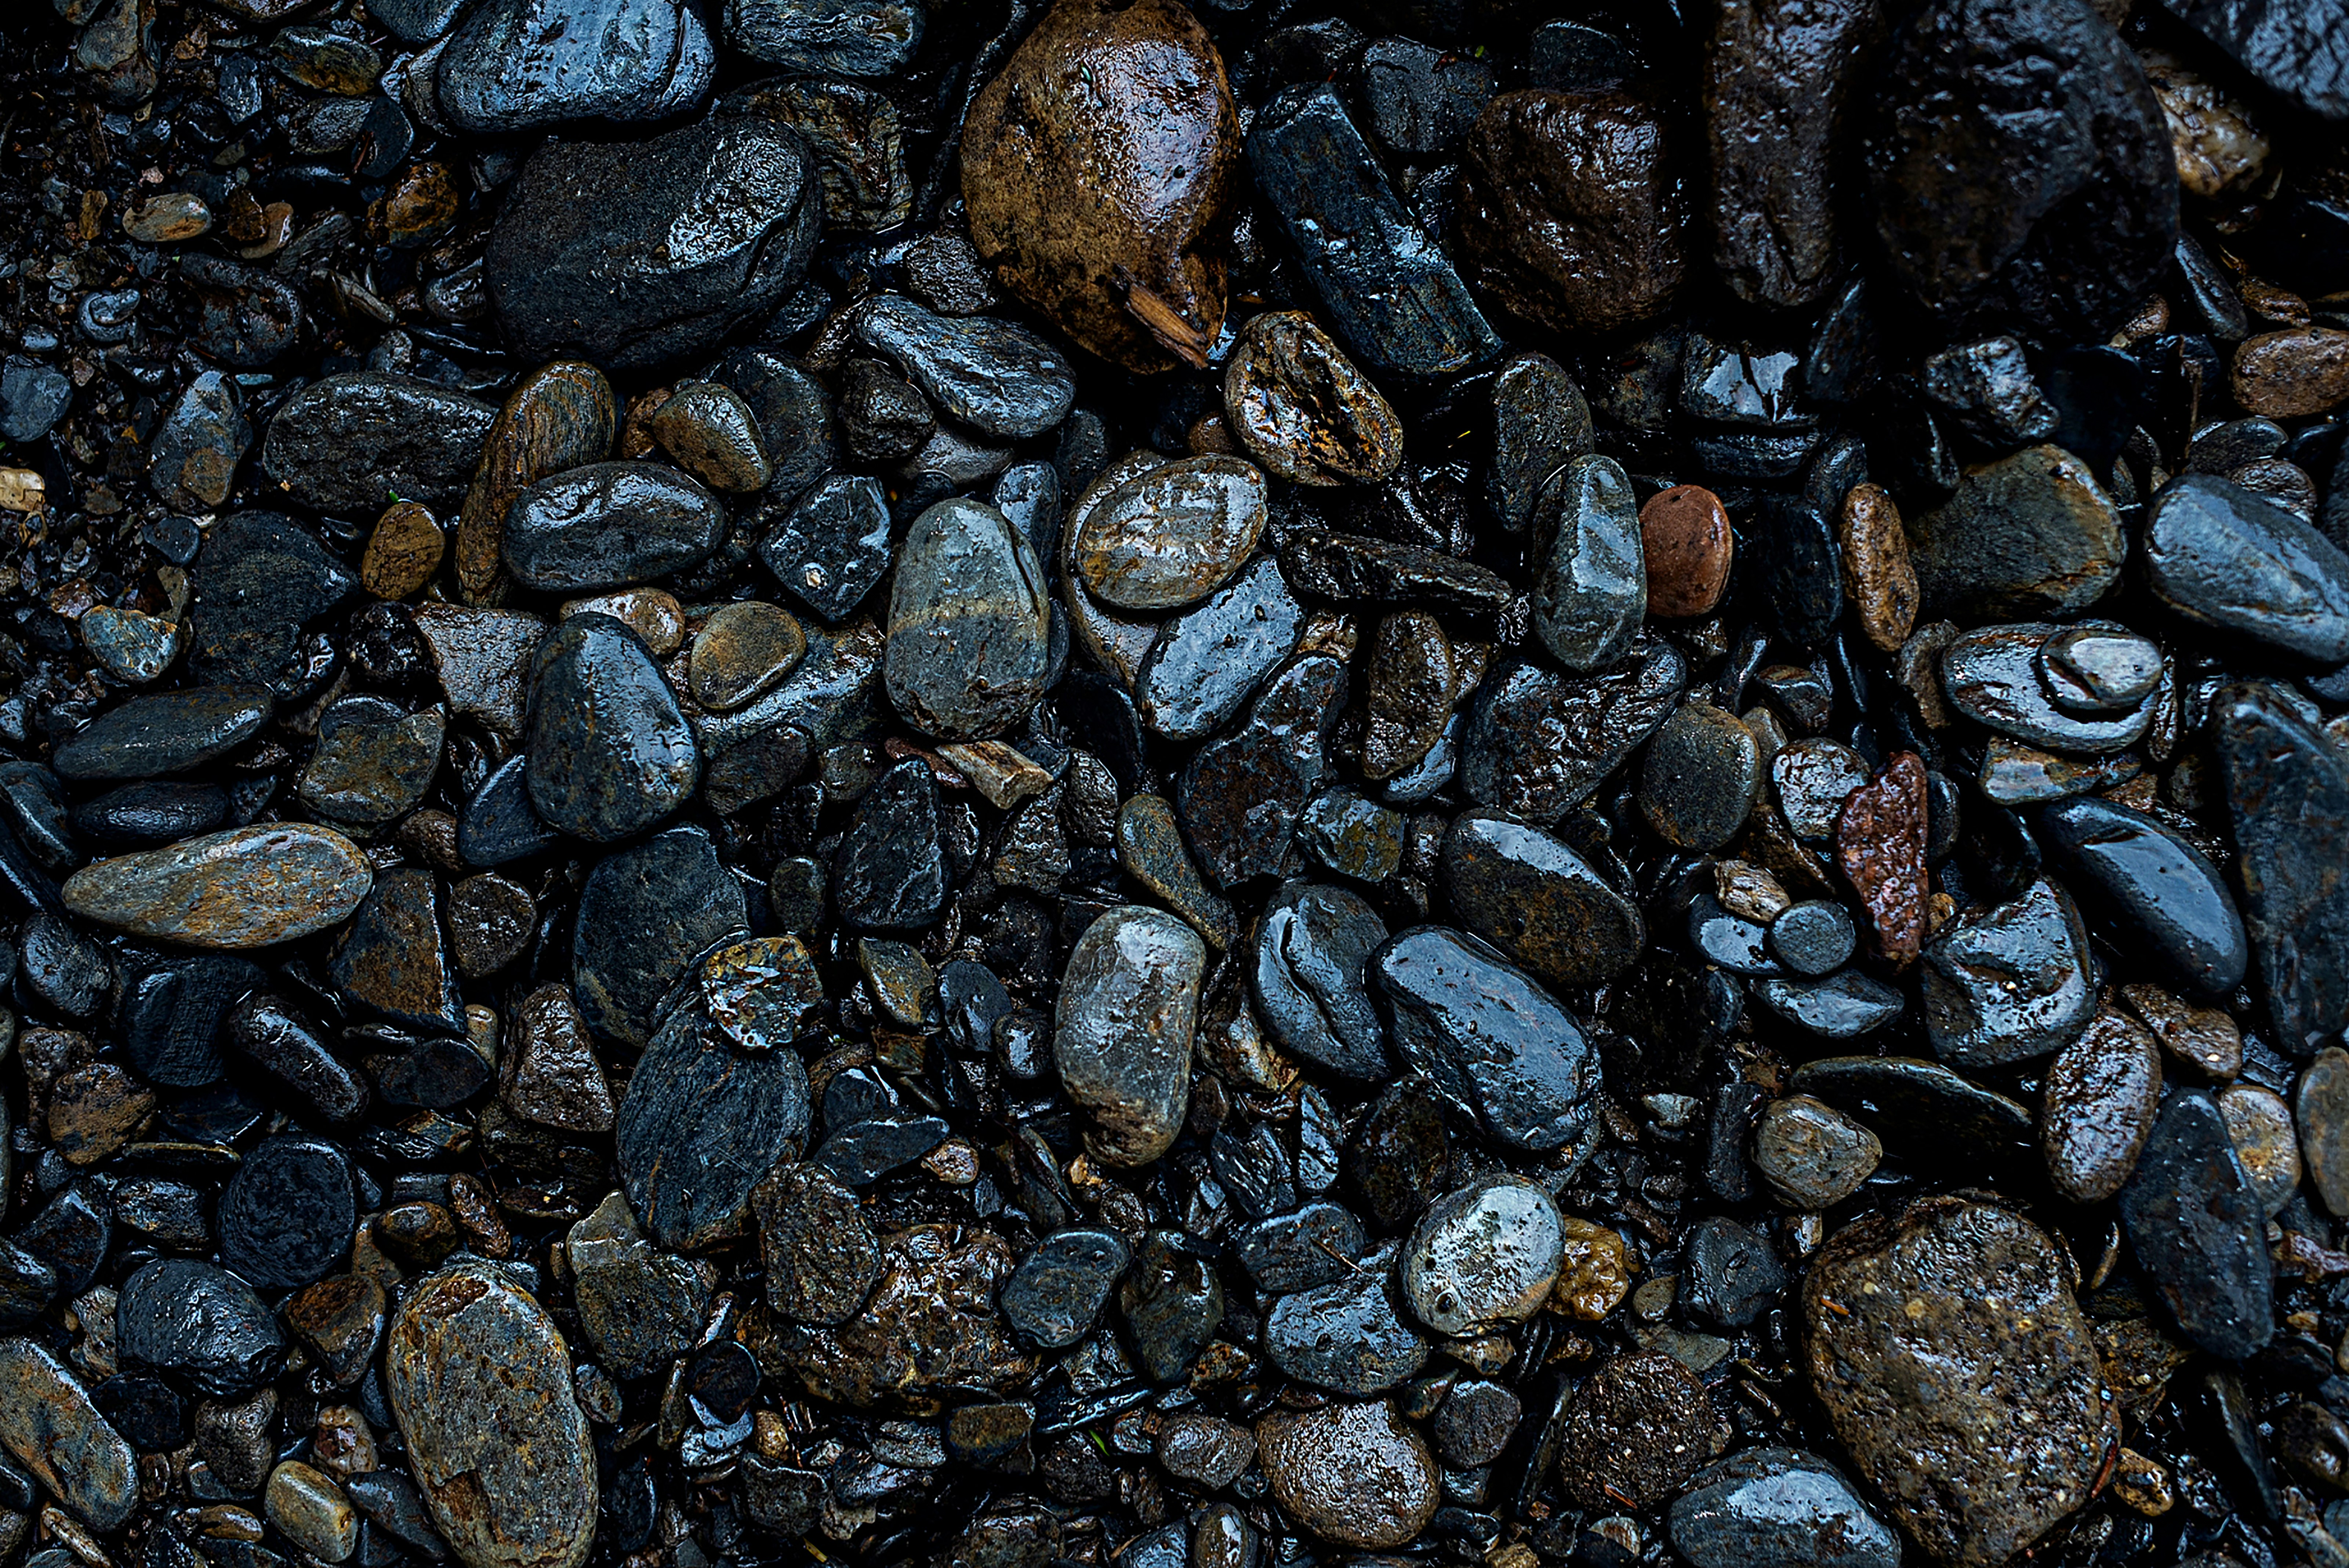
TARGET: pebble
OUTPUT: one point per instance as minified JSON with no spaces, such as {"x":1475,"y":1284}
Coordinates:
{"x":2291,"y":374}
{"x":1354,"y":1474}
{"x":610,"y":752}
{"x":831,"y":547}
{"x":2287,"y":795}
{"x":1728,"y":1273}
{"x":1205,"y":1450}
{"x":597,"y":280}
{"x":969,"y":624}
{"x":1991,"y":675}
{"x":402,"y":552}
{"x":305,"y":1506}
{"x":1590,"y":579}
{"x":1686,"y":537}
{"x":1301,"y":409}
{"x":1538,"y":742}
{"x":193,"y":458}
{"x":1495,"y":1045}
{"x":822,"y":1257}
{"x":1314,"y":1244}
{"x":1906,"y":1098}
{"x":1393,"y":297}
{"x":1979,"y":1414}
{"x":168,"y":733}
{"x":1879,"y":579}
{"x":259,"y":578}
{"x":1530,"y":895}
{"x":1541,"y":421}
{"x":1173,"y":1303}
{"x":1568,"y":213}
{"x":1701,"y":777}
{"x":1813,"y":937}
{"x":609,"y":526}
{"x":1123,"y":254}
{"x":1170,"y":537}
{"x":199,"y":1323}
{"x":2238,"y":564}
{"x":519,"y":64}
{"x":2103,"y":1091}
{"x":1150,"y":849}
{"x":639,"y":1306}
{"x":50,"y":1426}
{"x":2009,"y":982}
{"x":479,"y":1379}
{"x":2203,"y":1039}
{"x":1312,"y":945}
{"x":1055,"y":1296}
{"x":373,"y":762}
{"x":244,"y":888}
{"x":357,"y":442}
{"x":2258,"y":1124}
{"x":560,"y":416}
{"x":1968,"y":206}
{"x":1345,"y":1335}
{"x":1777,"y":1505}
{"x":889,"y":875}
{"x":1128,"y":1008}
{"x":172,"y":1009}
{"x":709,"y":428}
{"x":2147,"y":884}
{"x":2198,"y":1228}
{"x":1812,"y":1155}
{"x":1421,"y":99}
{"x":1633,"y":1433}
{"x":2320,"y":1110}
{"x":995,"y":376}
{"x":743,"y":652}
{"x":1239,"y":795}
{"x":1483,"y":1258}
{"x":929,"y":1325}
{"x":846,"y":37}
{"x":1414,"y":676}
{"x":2031,"y":534}
{"x":702,"y":1123}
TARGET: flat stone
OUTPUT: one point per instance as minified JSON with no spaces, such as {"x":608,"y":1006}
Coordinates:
{"x":1239,"y":796}
{"x":200,"y":1323}
{"x":2320,"y":1109}
{"x":1170,"y":537}
{"x":373,"y":762}
{"x":2288,"y":802}
{"x":930,"y":1325}
{"x":394,"y":964}
{"x":2010,"y":982}
{"x":288,"y":1215}
{"x":1390,"y":293}
{"x":560,"y":416}
{"x":1685,"y":538}
{"x":645,"y":914}
{"x":402,"y":552}
{"x":1991,"y":676}
{"x":1590,"y":578}
{"x":1208,"y":661}
{"x":1701,"y":777}
{"x":610,"y":752}
{"x":1354,"y":1474}
{"x":1538,"y":742}
{"x":361,"y":441}
{"x":1497,"y":1046}
{"x":2258,"y":1124}
{"x":995,"y":376}
{"x":1925,"y":1375}
{"x":1530,"y":895}
{"x":820,"y":1253}
{"x":1776,"y":1505}
{"x":1203,"y":1449}
{"x":846,"y":37}
{"x":1312,"y":944}
{"x":479,"y":1379}
{"x":2138,"y":876}
{"x":831,"y":547}
{"x":609,"y":526}
{"x":1171,"y":1300}
{"x":1812,"y":1155}
{"x":167,"y":732}
{"x":639,"y":1307}
{"x":1729,"y":1272}
{"x":246,"y":887}
{"x":2228,"y":560}
{"x":517,"y":65}
{"x":307,"y":1508}
{"x":2199,"y":1228}
{"x":859,"y":142}
{"x":50,"y":1426}
{"x":1127,"y":1009}
{"x":1056,"y":1293}
{"x":483,"y":658}
{"x":191,"y":458}
{"x":1634,"y":1431}
{"x":1151,"y":850}
{"x":2029,"y":535}
{"x":172,"y":1013}
{"x":2103,"y":1091}
{"x":259,"y":579}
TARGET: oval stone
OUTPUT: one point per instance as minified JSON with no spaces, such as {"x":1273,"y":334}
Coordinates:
{"x":164,"y":733}
{"x":246,"y":887}
{"x":2103,"y":1090}
{"x":969,"y":624}
{"x":1484,"y":1257}
{"x":1303,"y":410}
{"x":48,"y":1425}
{"x":608,"y":526}
{"x":2138,"y":876}
{"x":1174,"y":535}
{"x":1129,"y":1005}
{"x":1530,"y":895}
{"x":480,"y":1381}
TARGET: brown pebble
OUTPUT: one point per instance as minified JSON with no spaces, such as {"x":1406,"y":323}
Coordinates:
{"x":1353,"y":1474}
{"x":1303,"y":410}
{"x":95,"y":1111}
{"x":1877,"y":575}
{"x":422,"y":203}
{"x":168,"y":219}
{"x":1880,"y":845}
{"x":2203,"y":1039}
{"x":1594,"y":1274}
{"x":402,"y":552}
{"x":1635,"y":1432}
{"x":2299,"y":371}
{"x":743,"y":650}
{"x":491,"y":921}
{"x":1685,"y":535}
{"x":2103,"y":1090}
{"x":561,"y":415}
{"x":652,"y":614}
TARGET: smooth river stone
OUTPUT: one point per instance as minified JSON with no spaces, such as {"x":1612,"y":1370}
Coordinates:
{"x":2145,"y":884}
{"x":610,"y":752}
{"x":2031,"y":534}
{"x":1528,"y":893}
{"x":2235,"y":562}
{"x":246,"y":887}
{"x":1590,"y":582}
{"x":479,"y":1379}
{"x":50,"y":1426}
{"x":610,"y":525}
{"x":1128,"y":1008}
{"x":970,"y":623}
{"x":2288,"y":799}
{"x":998,"y":378}
{"x":1174,"y":535}
{"x":166,"y":732}
{"x":2199,"y":1231}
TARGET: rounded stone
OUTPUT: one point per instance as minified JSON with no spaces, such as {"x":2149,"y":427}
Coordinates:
{"x":1303,"y":410}
{"x":610,"y":752}
{"x":479,"y":1378}
{"x":246,"y":888}
{"x":1812,"y":1155}
{"x":306,"y":1507}
{"x":1354,"y":1474}
{"x":1127,"y":1011}
{"x":741,"y":651}
{"x":1698,"y":782}
{"x":1684,"y":534}
{"x":402,"y":552}
{"x":1814,"y":936}
{"x":2258,"y":1124}
{"x":2103,"y":1091}
{"x":1172,"y":537}
{"x":1634,"y":1432}
{"x":1483,"y":1258}
{"x":709,"y":430}
{"x":969,"y":646}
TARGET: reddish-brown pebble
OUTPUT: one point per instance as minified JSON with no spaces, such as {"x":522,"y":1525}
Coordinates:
{"x":1880,"y":845}
{"x":1877,"y":575}
{"x":402,"y":552}
{"x":1685,"y":535}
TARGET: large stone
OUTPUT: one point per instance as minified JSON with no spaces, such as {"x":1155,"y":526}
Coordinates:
{"x":2029,"y":535}
{"x":1352,"y":1473}
{"x":1529,"y":894}
{"x":516,"y":65}
{"x":1128,"y":1007}
{"x":631,"y":253}
{"x":1959,"y":1374}
{"x":609,"y":526}
{"x":479,"y":1379}
{"x":645,"y":914}
{"x":50,"y":1426}
{"x":2294,"y":47}
{"x":2199,"y":1228}
{"x":246,"y":888}
{"x":359,"y":442}
{"x":2235,"y":562}
{"x":2288,"y":800}
{"x":610,"y":752}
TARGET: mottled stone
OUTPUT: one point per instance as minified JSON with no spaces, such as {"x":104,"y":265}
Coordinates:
{"x":1530,"y":895}
{"x":1300,"y":408}
{"x":969,"y":624}
{"x":1354,"y":1474}
{"x":1127,"y":1009}
{"x":50,"y":1426}
{"x":246,"y":887}
{"x":2033,"y":534}
{"x":1170,"y":537}
{"x":610,"y":752}
{"x":1634,"y":1432}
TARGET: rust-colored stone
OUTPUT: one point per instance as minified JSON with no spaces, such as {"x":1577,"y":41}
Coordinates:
{"x":1685,"y":535}
{"x":2299,"y":371}
{"x":1098,"y":168}
{"x":1880,"y":845}
{"x":1876,"y":576}
{"x":402,"y":552}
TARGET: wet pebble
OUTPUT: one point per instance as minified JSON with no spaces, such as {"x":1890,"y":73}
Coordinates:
{"x":244,"y":887}
{"x":1812,"y":1155}
{"x":1354,"y":1474}
{"x":1128,"y":1008}
{"x":1482,"y":1258}
{"x":610,"y":752}
{"x":1301,"y":408}
{"x":1634,"y":1432}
